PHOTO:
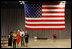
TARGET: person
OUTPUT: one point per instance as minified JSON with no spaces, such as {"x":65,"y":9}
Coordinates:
{"x":22,"y":34}
{"x":14,"y":39}
{"x":10,"y":40}
{"x":54,"y":35}
{"x":18,"y":38}
{"x":26,"y":38}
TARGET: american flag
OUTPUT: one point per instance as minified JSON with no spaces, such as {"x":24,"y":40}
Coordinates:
{"x":44,"y":16}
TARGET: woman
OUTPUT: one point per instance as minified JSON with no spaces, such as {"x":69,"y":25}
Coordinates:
{"x":10,"y":40}
{"x":22,"y":34}
{"x":26,"y":38}
{"x":18,"y":38}
{"x":14,"y":39}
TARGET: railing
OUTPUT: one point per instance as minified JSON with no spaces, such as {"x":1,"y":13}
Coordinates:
{"x":3,"y":39}
{"x":4,"y":36}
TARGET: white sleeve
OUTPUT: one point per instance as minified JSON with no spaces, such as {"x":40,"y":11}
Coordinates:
{"x":20,"y":33}
{"x":24,"y":33}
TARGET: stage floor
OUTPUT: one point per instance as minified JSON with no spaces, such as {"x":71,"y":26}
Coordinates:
{"x":47,"y":43}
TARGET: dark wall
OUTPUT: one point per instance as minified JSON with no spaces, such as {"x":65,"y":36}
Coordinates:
{"x":13,"y":19}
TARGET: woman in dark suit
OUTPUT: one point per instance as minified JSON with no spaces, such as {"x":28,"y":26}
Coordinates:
{"x":10,"y":40}
{"x":26,"y":38}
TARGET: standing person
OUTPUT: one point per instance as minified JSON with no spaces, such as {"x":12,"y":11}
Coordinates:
{"x":18,"y":38}
{"x":26,"y":38}
{"x":54,"y":35}
{"x":22,"y":34}
{"x":14,"y":39}
{"x":10,"y":40}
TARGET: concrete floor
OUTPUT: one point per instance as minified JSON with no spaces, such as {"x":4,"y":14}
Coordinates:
{"x":47,"y":43}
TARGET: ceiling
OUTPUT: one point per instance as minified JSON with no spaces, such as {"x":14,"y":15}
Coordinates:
{"x":17,"y":4}
{"x":11,"y":4}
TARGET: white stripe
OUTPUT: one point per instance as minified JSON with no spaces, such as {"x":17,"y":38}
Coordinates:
{"x":53,"y":5}
{"x":45,"y":18}
{"x":44,"y":26}
{"x":53,"y":9}
{"x":52,"y":14}
{"x":45,"y":22}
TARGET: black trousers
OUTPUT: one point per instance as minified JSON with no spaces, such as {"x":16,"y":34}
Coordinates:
{"x":14,"y":43}
{"x":54,"y":37}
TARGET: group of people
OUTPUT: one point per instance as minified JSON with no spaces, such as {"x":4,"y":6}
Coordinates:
{"x":20,"y":36}
{"x":17,"y":37}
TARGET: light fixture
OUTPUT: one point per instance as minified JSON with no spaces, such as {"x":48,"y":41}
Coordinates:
{"x":23,"y":2}
{"x":19,"y":1}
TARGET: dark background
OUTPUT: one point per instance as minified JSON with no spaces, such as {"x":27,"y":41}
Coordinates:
{"x":13,"y":18}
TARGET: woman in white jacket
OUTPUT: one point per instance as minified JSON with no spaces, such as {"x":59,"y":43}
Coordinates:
{"x":22,"y":34}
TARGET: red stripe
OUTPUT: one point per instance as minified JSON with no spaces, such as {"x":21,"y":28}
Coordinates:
{"x":53,"y":11}
{"x":53,"y":8}
{"x":45,"y":20}
{"x":53,"y":16}
{"x":52,"y":4}
{"x":45,"y":24}
{"x":45,"y":28}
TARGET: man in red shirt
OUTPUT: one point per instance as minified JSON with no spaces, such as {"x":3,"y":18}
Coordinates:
{"x":54,"y":35}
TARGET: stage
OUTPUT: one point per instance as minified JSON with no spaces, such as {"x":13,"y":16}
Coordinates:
{"x":45,"y":43}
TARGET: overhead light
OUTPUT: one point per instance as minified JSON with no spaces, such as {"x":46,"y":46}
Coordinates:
{"x":19,"y":1}
{"x":23,"y":2}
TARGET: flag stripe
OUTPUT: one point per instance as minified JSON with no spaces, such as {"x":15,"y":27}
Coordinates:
{"x":45,"y":28}
{"x":45,"y":24}
{"x":53,"y":7}
{"x":52,"y":4}
{"x":53,"y":16}
{"x":45,"y":20}
{"x":53,"y":11}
